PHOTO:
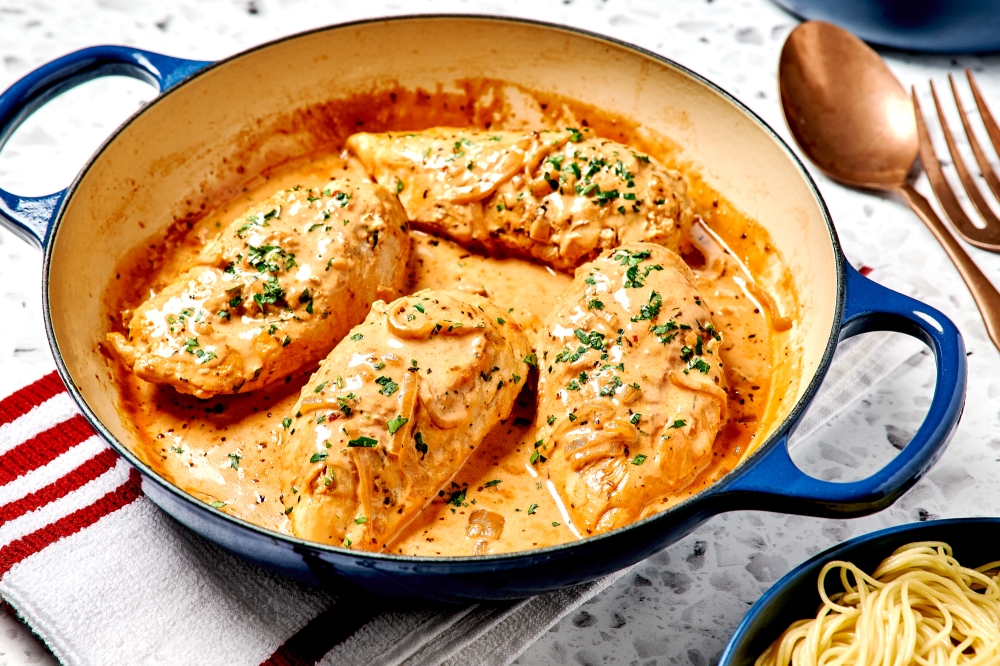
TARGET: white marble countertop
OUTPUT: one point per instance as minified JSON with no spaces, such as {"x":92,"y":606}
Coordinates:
{"x":681,"y":606}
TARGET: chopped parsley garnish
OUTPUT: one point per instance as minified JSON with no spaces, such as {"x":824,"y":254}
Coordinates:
{"x":494,"y":482}
{"x":363,"y":442}
{"x":666,"y":332}
{"x":321,"y":386}
{"x":651,"y":309}
{"x":396,"y":423}
{"x":639,"y":459}
{"x":551,"y":419}
{"x":271,"y":295}
{"x":458,"y":498}
{"x":612,"y":386}
{"x":360,"y":520}
{"x":344,"y":407}
{"x":678,"y":423}
{"x":419,"y":444}
{"x":217,"y":504}
{"x":399,"y":185}
{"x":626,"y":258}
{"x":262,"y":258}
{"x":635,"y":419}
{"x":234,"y":460}
{"x":532,"y":509}
{"x":318,"y":457}
{"x":286,"y":422}
{"x":699,"y":365}
{"x":532,"y":359}
{"x":555,"y":524}
{"x":418,"y":307}
{"x":595,"y":304}
{"x":572,"y":417}
{"x":575,"y":135}
{"x":501,"y":321}
{"x":356,"y":337}
{"x":388,"y":386}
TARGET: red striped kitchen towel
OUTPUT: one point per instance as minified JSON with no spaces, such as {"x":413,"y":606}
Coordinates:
{"x":104,"y":577}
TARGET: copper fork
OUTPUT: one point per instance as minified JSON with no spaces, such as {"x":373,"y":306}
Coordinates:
{"x":987,"y":237}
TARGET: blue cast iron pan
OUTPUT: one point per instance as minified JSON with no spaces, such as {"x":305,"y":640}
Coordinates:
{"x":976,"y":541}
{"x":766,"y":480}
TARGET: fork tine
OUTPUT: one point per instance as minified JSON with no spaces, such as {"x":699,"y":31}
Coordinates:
{"x":984,"y":112}
{"x":988,"y":237}
{"x":984,"y":164}
{"x":942,"y":190}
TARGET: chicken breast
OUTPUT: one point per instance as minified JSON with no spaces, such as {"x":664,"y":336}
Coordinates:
{"x":273,"y":293}
{"x":393,"y":412}
{"x":631,"y":392}
{"x":560,"y":197}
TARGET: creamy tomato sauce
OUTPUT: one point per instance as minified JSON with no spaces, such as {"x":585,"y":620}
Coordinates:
{"x":223,"y":450}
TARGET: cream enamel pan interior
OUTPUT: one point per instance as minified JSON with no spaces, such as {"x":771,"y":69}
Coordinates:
{"x":177,"y":154}
{"x":200,"y":141}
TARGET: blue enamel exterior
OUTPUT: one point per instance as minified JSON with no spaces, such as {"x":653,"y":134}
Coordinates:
{"x":766,"y":480}
{"x":796,"y":596}
{"x":31,"y":217}
{"x":942,"y":26}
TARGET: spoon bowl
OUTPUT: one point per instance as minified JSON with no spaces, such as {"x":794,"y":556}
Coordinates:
{"x":845,"y":108}
{"x":854,"y":120}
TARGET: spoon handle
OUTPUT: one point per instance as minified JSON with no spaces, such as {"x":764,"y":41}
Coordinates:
{"x":983,"y":292}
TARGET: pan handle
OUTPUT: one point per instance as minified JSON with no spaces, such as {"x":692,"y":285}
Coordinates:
{"x":774,"y":483}
{"x":31,"y":217}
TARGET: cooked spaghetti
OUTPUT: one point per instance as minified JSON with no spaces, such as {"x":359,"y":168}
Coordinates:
{"x":919,"y":607}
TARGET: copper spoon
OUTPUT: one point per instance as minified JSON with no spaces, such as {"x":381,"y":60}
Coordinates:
{"x":850,"y":116}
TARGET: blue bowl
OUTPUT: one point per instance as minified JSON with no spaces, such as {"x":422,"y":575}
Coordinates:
{"x":938,"y":26}
{"x":796,"y":597}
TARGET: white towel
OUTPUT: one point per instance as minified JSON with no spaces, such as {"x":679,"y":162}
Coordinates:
{"x":104,"y":577}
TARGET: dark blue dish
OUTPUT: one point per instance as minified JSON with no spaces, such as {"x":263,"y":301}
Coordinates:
{"x":194,"y":95}
{"x":976,"y":541}
{"x":938,"y":26}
